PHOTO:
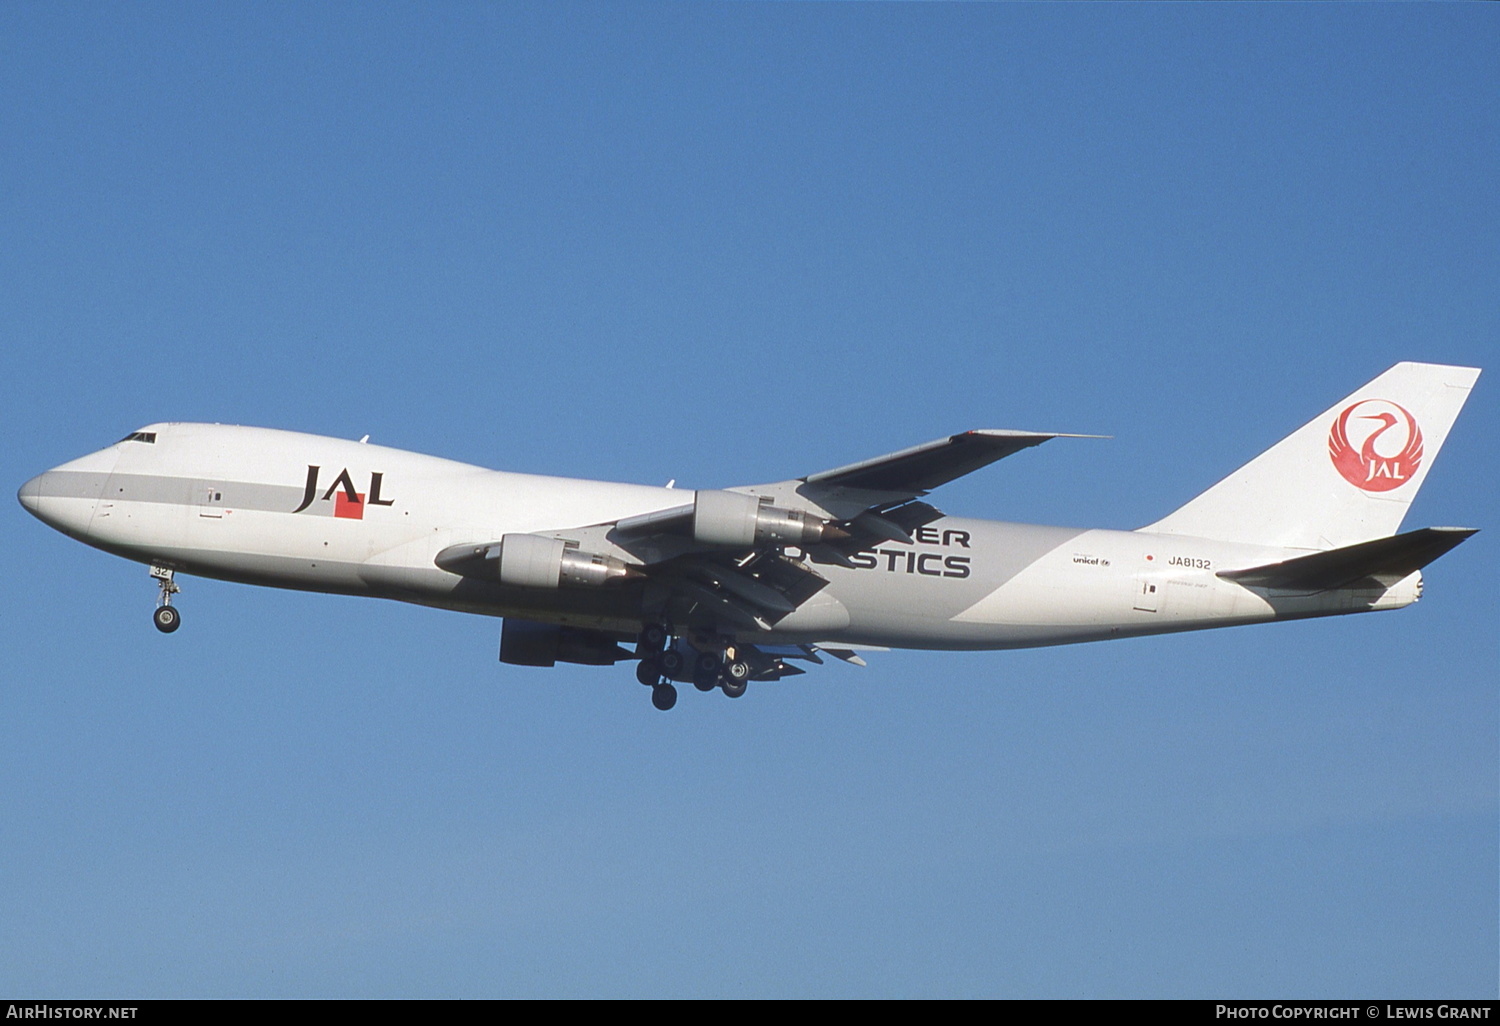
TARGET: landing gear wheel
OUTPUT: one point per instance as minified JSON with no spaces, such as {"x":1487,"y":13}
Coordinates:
{"x":736,"y":671}
{"x":166,"y":619}
{"x":663,"y":696}
{"x":653,"y":637}
{"x":671,"y":662}
{"x":706,"y":670}
{"x":731,"y":689}
{"x":648,"y":672}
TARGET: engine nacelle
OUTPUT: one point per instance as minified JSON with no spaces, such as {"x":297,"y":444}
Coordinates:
{"x":535,"y":561}
{"x":735,"y":519}
{"x":532,"y":561}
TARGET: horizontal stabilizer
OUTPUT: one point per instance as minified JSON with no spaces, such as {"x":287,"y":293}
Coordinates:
{"x":1387,"y":560}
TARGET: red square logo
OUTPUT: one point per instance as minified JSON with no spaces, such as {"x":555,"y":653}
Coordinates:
{"x":354,"y":508}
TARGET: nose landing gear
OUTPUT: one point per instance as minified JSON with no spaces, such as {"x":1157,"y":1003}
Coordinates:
{"x":166,"y":618}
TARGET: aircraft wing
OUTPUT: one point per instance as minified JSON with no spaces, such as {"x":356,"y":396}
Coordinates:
{"x":918,"y":470}
{"x":745,"y":558}
{"x":877,"y":499}
{"x":872,"y":499}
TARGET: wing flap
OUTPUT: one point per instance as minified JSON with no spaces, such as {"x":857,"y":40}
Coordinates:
{"x":753,"y":592}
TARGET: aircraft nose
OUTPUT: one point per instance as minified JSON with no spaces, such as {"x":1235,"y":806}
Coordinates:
{"x":63,"y":499}
{"x":30,"y":495}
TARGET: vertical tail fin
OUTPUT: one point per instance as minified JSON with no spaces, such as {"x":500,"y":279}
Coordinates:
{"x":1346,"y":476}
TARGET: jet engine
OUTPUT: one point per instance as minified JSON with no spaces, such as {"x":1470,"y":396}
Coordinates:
{"x":735,"y":519}
{"x":535,"y":561}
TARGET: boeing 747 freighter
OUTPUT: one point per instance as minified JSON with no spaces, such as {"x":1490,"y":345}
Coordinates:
{"x":721,"y":588}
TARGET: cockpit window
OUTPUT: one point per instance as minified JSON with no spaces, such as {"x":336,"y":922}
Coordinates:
{"x":140,"y":436}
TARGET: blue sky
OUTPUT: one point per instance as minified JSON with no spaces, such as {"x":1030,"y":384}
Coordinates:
{"x":725,"y":244}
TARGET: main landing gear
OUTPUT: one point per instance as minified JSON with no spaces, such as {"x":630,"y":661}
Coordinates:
{"x":707,"y":667}
{"x":166,"y":617}
{"x":648,"y":672}
{"x":657,"y":661}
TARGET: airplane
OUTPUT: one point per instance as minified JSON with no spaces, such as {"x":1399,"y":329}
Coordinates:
{"x":724,"y":587}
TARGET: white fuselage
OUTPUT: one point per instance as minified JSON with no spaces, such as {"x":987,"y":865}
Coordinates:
{"x":277,"y":508}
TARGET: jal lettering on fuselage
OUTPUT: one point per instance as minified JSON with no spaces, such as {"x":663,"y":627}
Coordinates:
{"x":351,"y":502}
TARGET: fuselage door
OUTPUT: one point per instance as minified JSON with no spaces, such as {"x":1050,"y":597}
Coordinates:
{"x":209,"y":498}
{"x":1147,"y":594}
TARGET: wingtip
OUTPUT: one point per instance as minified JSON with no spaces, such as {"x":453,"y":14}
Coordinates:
{"x":1040,"y":436}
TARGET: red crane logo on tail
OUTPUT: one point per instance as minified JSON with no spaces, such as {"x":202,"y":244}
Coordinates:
{"x":1376,"y":445}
